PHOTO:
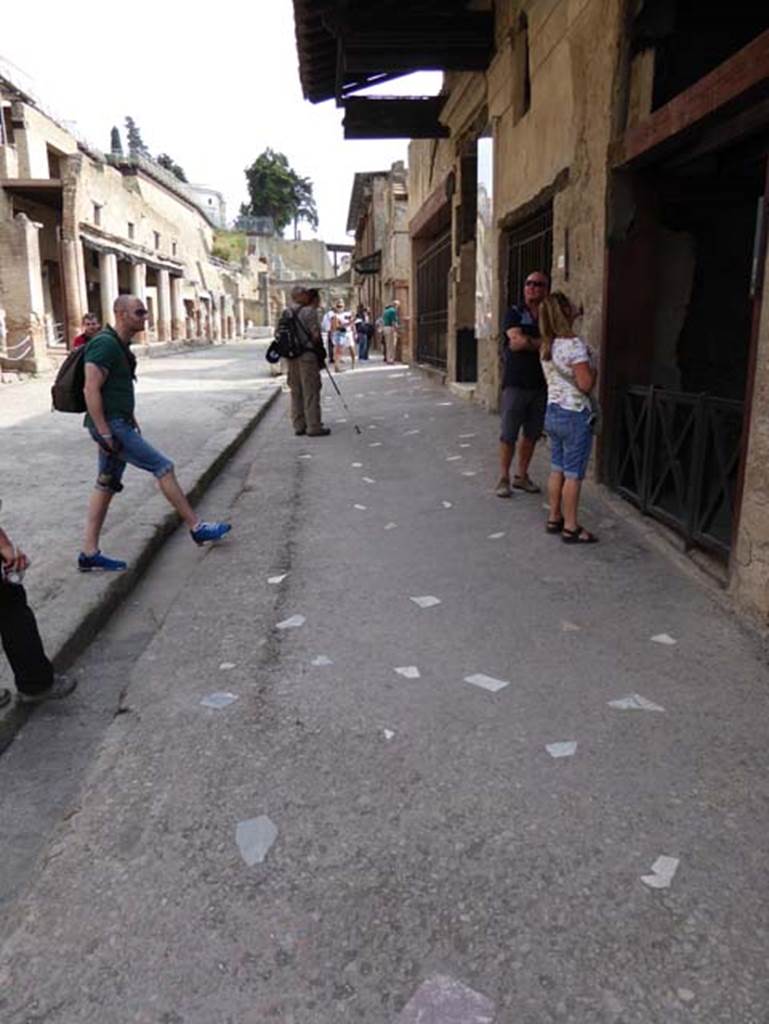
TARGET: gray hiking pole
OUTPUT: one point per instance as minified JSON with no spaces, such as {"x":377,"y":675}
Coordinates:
{"x":336,"y":388}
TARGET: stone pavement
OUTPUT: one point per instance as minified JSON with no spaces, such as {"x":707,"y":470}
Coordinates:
{"x":465,"y":825}
{"x":196,"y":406}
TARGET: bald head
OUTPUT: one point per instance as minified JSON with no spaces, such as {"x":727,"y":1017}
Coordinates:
{"x":299,"y":294}
{"x":130,"y":316}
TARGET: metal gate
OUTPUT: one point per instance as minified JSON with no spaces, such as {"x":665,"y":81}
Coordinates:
{"x":529,"y":248}
{"x":677,"y":457}
{"x":433,"y":302}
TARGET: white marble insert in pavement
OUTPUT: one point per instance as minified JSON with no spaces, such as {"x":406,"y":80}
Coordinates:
{"x":427,"y":601}
{"x":664,"y":638}
{"x":444,"y":1000}
{"x":663,"y":870}
{"x":254,"y":838}
{"x":220,"y":699}
{"x":294,"y":622}
{"x":408,"y":672}
{"x":487,"y":682}
{"x":564,"y":748}
{"x":274,"y":580}
{"x":634,"y":702}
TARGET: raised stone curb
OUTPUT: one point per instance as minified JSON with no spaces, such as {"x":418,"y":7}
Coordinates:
{"x":71,"y":624}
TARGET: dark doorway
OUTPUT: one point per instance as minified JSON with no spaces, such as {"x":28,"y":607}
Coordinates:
{"x":680,"y":309}
{"x":691,"y":38}
{"x":433,"y":301}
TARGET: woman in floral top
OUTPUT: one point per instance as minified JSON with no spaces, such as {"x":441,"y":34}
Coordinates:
{"x":568,"y":363}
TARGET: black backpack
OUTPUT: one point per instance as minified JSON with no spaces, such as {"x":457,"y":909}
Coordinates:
{"x":67,"y":390}
{"x":287,"y":343}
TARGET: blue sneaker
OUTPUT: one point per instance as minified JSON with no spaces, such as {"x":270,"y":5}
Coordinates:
{"x":99,"y":563}
{"x":209,"y":531}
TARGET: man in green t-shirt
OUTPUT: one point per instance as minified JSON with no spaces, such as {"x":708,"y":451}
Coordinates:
{"x":110,"y":371}
{"x":390,"y":330}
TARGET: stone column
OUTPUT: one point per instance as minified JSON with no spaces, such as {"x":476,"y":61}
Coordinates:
{"x":81,"y":257}
{"x":213,"y":318}
{"x":73,"y":287}
{"x":240,"y":317}
{"x":25,"y":347}
{"x":139,"y":289}
{"x":223,"y":317}
{"x":139,"y":281}
{"x":164,"y":307}
{"x":177,"y":309}
{"x":108,"y":284}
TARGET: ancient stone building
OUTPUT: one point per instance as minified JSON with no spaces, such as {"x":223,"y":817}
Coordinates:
{"x":378,"y":215}
{"x":77,"y":228}
{"x":619,"y":145}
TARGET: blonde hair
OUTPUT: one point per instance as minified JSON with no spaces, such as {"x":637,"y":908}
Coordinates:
{"x":555,"y":320}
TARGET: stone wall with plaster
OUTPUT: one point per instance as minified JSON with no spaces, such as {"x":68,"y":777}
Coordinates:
{"x":750,"y":561}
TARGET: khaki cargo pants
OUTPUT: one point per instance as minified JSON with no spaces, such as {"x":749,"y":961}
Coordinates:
{"x":304,"y":382}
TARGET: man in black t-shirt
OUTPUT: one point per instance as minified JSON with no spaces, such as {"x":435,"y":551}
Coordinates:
{"x":524,"y":392}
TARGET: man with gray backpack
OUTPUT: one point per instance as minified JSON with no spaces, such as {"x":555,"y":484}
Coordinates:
{"x":298,"y":339}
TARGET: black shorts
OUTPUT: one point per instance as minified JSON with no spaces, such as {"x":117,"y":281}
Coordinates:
{"x":522,"y":408}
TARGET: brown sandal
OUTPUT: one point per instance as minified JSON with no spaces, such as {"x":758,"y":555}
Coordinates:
{"x":578,"y":536}
{"x":554,"y":526}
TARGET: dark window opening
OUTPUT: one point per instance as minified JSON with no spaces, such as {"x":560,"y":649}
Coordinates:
{"x":529,"y":248}
{"x":433,"y":267}
{"x":131,"y":230}
{"x":97,"y":214}
{"x":54,"y":162}
{"x":523,"y":29}
{"x":157,"y":239}
{"x":691,"y":38}
{"x":6,"y":127}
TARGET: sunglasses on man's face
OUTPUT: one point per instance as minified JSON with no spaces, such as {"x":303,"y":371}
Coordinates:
{"x":141,"y":312}
{"x":535,"y":284}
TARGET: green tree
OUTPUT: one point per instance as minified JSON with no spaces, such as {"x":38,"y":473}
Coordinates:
{"x":171,"y":165}
{"x":136,"y":145}
{"x":276,"y":190}
{"x":115,"y":143}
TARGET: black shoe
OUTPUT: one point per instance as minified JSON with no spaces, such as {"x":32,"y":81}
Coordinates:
{"x":321,"y":432}
{"x":300,"y":433}
{"x":62,"y":686}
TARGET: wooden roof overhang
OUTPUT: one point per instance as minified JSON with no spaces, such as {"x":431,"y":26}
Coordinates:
{"x":345,"y":46}
{"x":46,"y":191}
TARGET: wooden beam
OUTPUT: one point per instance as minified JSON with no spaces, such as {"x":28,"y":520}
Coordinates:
{"x":394,"y":118}
{"x":745,"y":72}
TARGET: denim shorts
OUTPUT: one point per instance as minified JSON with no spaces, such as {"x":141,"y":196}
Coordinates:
{"x":134,"y":451}
{"x":522,"y":407}
{"x":571,"y":438}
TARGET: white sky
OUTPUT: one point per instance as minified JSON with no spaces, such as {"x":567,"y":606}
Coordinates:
{"x":212,"y":84}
